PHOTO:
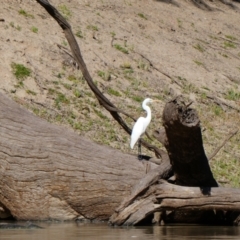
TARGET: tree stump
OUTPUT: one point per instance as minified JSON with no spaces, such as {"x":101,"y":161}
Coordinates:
{"x":185,"y":146}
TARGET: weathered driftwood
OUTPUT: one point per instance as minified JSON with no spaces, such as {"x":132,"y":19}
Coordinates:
{"x":164,"y":171}
{"x":166,"y":196}
{"x":48,"y":172}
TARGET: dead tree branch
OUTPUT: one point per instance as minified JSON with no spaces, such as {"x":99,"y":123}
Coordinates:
{"x":104,"y":101}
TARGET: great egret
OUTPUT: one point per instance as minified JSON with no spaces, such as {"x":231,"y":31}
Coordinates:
{"x":140,"y":126}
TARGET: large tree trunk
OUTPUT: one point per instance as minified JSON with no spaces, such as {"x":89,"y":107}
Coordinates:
{"x":48,"y":172}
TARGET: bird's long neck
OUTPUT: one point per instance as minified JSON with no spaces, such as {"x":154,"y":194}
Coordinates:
{"x":149,"y":113}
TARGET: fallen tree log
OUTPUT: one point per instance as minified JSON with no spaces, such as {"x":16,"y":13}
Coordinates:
{"x":48,"y":172}
{"x":165,"y":196}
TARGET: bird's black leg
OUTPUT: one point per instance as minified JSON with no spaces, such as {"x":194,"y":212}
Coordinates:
{"x":139,"y":150}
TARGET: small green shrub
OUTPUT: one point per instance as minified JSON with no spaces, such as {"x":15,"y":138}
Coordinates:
{"x":199,"y":47}
{"x":141,"y":15}
{"x":114,"y":92}
{"x":104,"y":75}
{"x":232,"y":95}
{"x":126,"y":65}
{"x":198,"y":63}
{"x":61,"y":98}
{"x":30,"y":92}
{"x":137,"y":98}
{"x":92,"y":27}
{"x":77,"y":93}
{"x":25,"y":14}
{"x":20,"y":71}
{"x":232,"y":38}
{"x":67,"y":86}
{"x":64,"y":10}
{"x":120,"y":48}
{"x":34,"y":29}
{"x":228,"y":44}
{"x":113,"y":34}
{"x":16,"y":27}
{"x":143,"y":65}
{"x":79,"y":34}
{"x":217,"y":110}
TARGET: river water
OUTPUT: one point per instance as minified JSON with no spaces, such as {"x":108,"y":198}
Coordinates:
{"x":87,"y":231}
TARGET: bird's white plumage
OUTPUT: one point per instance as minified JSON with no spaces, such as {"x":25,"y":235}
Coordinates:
{"x":141,"y":124}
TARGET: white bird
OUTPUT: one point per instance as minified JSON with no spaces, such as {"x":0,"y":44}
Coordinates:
{"x":141,"y":125}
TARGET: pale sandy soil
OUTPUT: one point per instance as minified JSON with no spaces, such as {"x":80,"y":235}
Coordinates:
{"x":199,"y":49}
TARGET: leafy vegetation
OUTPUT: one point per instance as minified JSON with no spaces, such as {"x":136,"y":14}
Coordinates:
{"x":79,"y":34}
{"x":114,"y":92}
{"x":141,"y":15}
{"x":34,"y":29}
{"x":25,"y":14}
{"x":199,"y":47}
{"x":228,"y":44}
{"x":65,"y":11}
{"x":20,"y":71}
{"x":120,"y":48}
{"x":92,"y":27}
{"x":232,"y":95}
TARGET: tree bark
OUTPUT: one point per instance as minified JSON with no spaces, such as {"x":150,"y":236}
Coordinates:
{"x":48,"y":172}
{"x":165,"y":196}
{"x":183,"y":141}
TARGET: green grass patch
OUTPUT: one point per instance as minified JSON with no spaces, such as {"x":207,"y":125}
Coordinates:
{"x":143,"y":65}
{"x":34,"y":29}
{"x":137,"y":98}
{"x":114,"y":92}
{"x":77,"y":93}
{"x":79,"y":34}
{"x":104,"y":75}
{"x":230,"y":37}
{"x":25,"y":14}
{"x":218,"y":111}
{"x":100,"y":114}
{"x":67,"y":86}
{"x":141,"y":15}
{"x":61,"y":98}
{"x":228,"y":44}
{"x":20,"y":71}
{"x":198,"y":63}
{"x":92,"y":27}
{"x":15,"y":27}
{"x":19,"y":85}
{"x":120,"y":48}
{"x":199,"y":47}
{"x":65,"y":11}
{"x":30,"y":92}
{"x":232,"y":95}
